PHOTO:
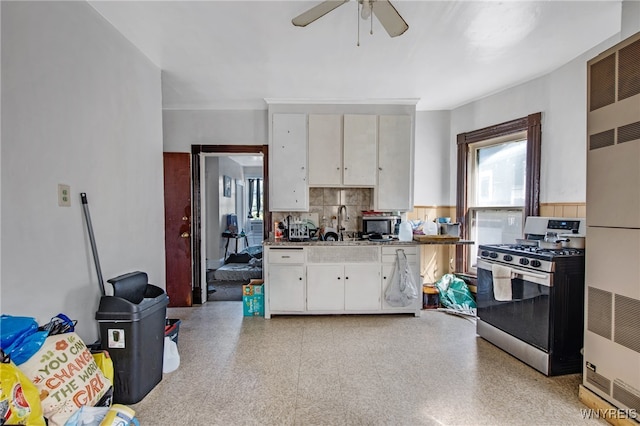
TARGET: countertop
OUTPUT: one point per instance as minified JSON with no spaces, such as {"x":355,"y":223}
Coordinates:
{"x":275,"y":243}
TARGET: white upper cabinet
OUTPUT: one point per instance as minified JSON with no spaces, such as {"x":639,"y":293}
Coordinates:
{"x":395,"y":163}
{"x":325,"y":150}
{"x":360,"y":150}
{"x":288,"y":189}
{"x":342,"y":150}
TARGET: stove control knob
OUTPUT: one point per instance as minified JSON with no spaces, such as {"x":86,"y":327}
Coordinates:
{"x":524,"y":261}
{"x":493,"y":255}
{"x":536,"y":263}
{"x":507,"y":258}
{"x":484,"y":253}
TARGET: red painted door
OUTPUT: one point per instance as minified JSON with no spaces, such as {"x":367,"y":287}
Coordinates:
{"x":177,"y":227}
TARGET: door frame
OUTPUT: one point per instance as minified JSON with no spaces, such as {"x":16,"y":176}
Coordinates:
{"x":198,"y":275}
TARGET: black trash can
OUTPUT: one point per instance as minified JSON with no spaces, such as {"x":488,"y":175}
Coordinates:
{"x":133,"y":334}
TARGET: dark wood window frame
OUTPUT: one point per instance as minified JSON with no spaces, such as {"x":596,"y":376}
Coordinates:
{"x":196,"y":222}
{"x":532,"y":124}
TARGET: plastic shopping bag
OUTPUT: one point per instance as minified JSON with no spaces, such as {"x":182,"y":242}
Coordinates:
{"x":401,"y":290}
{"x":20,"y":338}
{"x":19,"y":397}
{"x":171,"y":359}
{"x":454,"y":293}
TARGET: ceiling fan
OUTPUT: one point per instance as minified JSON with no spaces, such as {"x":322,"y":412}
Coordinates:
{"x":382,"y":9}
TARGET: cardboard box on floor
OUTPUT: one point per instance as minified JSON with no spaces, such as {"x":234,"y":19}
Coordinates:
{"x":253,"y":299}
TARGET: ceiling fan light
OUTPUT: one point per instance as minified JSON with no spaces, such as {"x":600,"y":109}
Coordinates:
{"x":367,"y":6}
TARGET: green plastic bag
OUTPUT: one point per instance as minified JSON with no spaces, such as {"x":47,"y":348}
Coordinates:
{"x":454,"y":293}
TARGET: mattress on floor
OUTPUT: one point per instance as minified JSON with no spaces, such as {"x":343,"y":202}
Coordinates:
{"x":238,"y":272}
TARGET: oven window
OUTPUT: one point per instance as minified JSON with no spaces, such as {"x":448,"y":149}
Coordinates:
{"x":526,"y":317}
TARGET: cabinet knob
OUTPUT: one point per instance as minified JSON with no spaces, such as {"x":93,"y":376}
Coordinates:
{"x":338,"y":277}
{"x":346,"y":278}
{"x":300,"y":278}
{"x":380,"y":168}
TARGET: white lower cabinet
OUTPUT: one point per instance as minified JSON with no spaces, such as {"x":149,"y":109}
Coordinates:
{"x":286,"y":288}
{"x":362,"y":287}
{"x":334,"y":279}
{"x":285,"y":280}
{"x":325,"y":287}
{"x":389,"y":255}
{"x":343,"y":287}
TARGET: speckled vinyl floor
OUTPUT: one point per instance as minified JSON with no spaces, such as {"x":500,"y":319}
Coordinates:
{"x":349,"y":370}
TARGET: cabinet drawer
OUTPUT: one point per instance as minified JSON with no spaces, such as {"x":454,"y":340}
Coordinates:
{"x":392,"y":249}
{"x":391,"y":258}
{"x":389,"y":254}
{"x":286,"y":256}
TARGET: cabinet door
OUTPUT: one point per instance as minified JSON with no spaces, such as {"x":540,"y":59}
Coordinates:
{"x":325,"y":149}
{"x":395,"y":163}
{"x":360,"y":150}
{"x":325,"y":287}
{"x":387,"y":274}
{"x":286,"y":288}
{"x":288,"y":189}
{"x":362,"y":287}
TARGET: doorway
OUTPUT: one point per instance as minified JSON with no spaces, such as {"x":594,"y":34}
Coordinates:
{"x":199,"y":154}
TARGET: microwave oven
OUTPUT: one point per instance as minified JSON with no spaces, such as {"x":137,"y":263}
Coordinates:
{"x":384,"y":225}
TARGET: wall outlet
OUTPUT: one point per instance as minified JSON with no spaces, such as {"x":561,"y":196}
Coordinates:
{"x":64,"y":195}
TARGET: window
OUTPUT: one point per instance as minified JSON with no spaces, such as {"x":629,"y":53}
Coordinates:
{"x":256,"y":201}
{"x":498,"y":184}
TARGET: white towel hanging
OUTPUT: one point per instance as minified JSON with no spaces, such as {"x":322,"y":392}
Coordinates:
{"x":502,"y":276}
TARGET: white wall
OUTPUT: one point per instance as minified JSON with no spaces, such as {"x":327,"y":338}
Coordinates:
{"x":431,"y":162}
{"x":0,"y":162}
{"x":183,"y":128}
{"x":80,"y":106}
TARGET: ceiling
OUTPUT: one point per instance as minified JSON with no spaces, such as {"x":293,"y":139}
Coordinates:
{"x":235,"y":54}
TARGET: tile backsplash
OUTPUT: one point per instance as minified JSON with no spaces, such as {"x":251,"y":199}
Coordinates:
{"x":326,"y":201}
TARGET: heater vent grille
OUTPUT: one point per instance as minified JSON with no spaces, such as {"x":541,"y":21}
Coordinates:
{"x":628,"y":397}
{"x":627,"y":322}
{"x":602,"y":139}
{"x":629,"y":71}
{"x":599,"y":381}
{"x":603,"y":83}
{"x":599,"y":315}
{"x":630,"y":132}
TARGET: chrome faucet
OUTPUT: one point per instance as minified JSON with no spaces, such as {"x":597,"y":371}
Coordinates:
{"x":341,"y":216}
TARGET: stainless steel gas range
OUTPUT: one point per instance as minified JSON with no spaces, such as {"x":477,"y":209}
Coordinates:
{"x":531,"y":299}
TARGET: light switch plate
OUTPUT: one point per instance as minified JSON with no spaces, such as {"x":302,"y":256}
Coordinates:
{"x":64,"y":195}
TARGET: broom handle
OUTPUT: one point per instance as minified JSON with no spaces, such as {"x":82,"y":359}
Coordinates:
{"x":92,"y":238}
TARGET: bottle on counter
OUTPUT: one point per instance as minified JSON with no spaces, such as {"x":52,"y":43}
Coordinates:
{"x":405,"y":233}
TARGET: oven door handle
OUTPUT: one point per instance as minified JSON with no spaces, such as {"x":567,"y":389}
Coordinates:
{"x":528,"y":274}
{"x":540,"y":279}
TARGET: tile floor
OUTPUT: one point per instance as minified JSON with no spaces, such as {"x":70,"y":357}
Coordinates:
{"x":349,"y":370}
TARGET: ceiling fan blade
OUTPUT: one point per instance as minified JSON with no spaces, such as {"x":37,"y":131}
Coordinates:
{"x":389,"y":18}
{"x":316,"y":12}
